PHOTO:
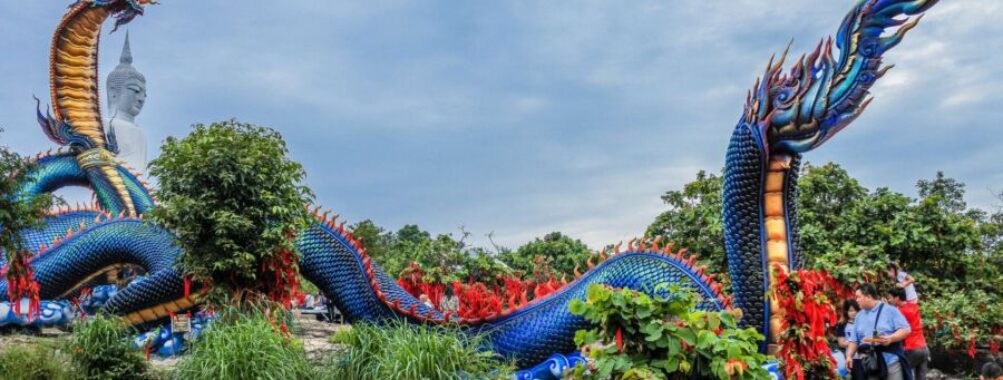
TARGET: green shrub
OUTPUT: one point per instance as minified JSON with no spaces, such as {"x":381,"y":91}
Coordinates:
{"x":662,"y":337}
{"x":401,"y":352}
{"x":100,"y":349}
{"x":234,"y":198}
{"x":39,"y":361}
{"x":247,"y":346}
{"x":967,"y":317}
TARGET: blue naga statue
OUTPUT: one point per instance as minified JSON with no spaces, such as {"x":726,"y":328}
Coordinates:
{"x":786,"y":114}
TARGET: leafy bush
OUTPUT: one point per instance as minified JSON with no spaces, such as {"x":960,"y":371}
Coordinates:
{"x":248,"y":346}
{"x":964,"y":320}
{"x":400,"y":351}
{"x":235,"y":199}
{"x":662,"y":337}
{"x":100,"y":349}
{"x":39,"y":361}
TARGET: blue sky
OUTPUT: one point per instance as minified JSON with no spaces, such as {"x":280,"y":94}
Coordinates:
{"x":521,"y":118}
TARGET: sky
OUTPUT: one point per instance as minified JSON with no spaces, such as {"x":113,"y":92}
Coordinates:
{"x":519,"y":118}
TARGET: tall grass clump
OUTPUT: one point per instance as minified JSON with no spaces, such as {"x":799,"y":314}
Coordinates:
{"x":38,"y":361}
{"x":402,"y":352}
{"x":100,"y":349}
{"x":245,"y":345}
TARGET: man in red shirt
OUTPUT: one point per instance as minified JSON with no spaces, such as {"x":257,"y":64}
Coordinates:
{"x":915,"y":343}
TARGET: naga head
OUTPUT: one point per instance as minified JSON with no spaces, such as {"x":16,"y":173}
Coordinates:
{"x":799,"y":110}
{"x":125,"y":10}
{"x":791,"y":110}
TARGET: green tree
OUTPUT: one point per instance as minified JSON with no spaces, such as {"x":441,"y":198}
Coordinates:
{"x":826,"y":196}
{"x":413,"y":234}
{"x":947,"y":192}
{"x":235,"y":199}
{"x":554,"y":252}
{"x":484,"y":266}
{"x":376,"y":240}
{"x":843,"y":227}
{"x":442,"y":259}
{"x":16,"y":215}
{"x":694,"y":220}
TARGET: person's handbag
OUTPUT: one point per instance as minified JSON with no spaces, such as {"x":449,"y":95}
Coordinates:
{"x":872,"y":360}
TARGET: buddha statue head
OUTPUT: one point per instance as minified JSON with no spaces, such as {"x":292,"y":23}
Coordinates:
{"x":126,"y":88}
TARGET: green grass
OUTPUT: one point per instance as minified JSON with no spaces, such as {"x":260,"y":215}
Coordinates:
{"x":100,"y":349}
{"x":35,"y":361}
{"x":403,"y":352}
{"x":244,"y":347}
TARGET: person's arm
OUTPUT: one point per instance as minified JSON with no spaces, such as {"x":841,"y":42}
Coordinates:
{"x":908,"y":280}
{"x":900,"y":325}
{"x":842,"y":342}
{"x":852,"y":341}
{"x":898,"y":336}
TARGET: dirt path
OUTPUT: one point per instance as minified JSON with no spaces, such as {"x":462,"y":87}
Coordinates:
{"x":316,"y":336}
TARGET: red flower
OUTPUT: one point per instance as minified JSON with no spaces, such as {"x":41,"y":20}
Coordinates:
{"x":618,"y":335}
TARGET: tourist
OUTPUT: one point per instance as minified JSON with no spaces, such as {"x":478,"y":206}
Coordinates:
{"x":844,"y":328}
{"x":915,"y":344}
{"x":991,"y":371}
{"x":309,"y":302}
{"x":878,"y":332}
{"x":903,"y":280}
{"x":425,"y":300}
{"x":333,"y":314}
{"x":449,"y":302}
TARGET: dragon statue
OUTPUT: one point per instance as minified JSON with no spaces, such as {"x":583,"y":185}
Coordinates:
{"x":786,"y":114}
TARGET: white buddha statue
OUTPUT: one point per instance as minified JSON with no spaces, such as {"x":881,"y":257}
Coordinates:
{"x":126,"y":96}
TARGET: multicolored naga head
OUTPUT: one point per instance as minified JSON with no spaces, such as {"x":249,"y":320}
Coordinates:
{"x":126,"y":10}
{"x":800,"y":110}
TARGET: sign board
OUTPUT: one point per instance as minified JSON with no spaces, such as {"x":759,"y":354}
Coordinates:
{"x":181,"y":323}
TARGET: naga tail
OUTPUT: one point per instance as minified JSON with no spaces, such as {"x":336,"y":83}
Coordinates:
{"x":787,"y":114}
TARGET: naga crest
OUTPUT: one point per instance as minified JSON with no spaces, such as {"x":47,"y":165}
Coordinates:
{"x":800,"y":110}
{"x":126,"y":9}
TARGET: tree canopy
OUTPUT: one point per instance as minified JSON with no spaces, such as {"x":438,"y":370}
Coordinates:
{"x":553,"y":254}
{"x":235,"y":199}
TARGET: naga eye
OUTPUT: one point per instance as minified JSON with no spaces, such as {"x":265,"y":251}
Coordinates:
{"x":783,"y":99}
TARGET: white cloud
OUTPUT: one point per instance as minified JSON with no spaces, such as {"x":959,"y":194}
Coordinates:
{"x":528,"y":117}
